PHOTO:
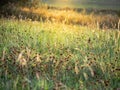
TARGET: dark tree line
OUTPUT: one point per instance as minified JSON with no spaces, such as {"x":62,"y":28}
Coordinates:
{"x":24,"y":2}
{"x":3,"y":2}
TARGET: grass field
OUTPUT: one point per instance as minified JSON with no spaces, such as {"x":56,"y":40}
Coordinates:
{"x":55,"y":56}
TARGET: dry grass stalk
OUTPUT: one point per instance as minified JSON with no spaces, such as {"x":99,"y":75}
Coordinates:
{"x":3,"y":55}
{"x":119,"y":24}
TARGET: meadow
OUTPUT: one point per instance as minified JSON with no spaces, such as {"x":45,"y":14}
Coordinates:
{"x":53,"y":48}
{"x":56,"y":56}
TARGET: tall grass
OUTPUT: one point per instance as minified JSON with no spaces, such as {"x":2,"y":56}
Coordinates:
{"x":103,"y":19}
{"x":45,"y":55}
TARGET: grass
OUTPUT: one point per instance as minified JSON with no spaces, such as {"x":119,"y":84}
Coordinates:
{"x":47,"y":55}
{"x":103,"y":19}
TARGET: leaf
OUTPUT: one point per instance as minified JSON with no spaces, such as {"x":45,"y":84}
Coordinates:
{"x":38,"y":75}
{"x":76,"y":69}
{"x":91,"y":71}
{"x":85,"y":76}
{"x":20,"y":55}
{"x":3,"y":56}
{"x":38,"y":58}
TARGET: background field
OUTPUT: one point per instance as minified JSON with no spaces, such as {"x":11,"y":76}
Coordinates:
{"x":95,"y":4}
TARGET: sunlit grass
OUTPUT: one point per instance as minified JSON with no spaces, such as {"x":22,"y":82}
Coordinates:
{"x":46,"y":55}
{"x":73,"y":17}
{"x":91,"y":18}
